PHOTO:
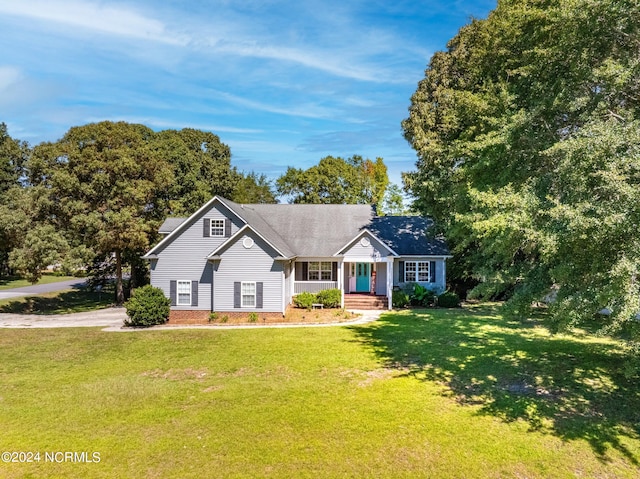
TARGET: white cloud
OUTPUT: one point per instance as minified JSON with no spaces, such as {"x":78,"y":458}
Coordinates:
{"x":112,"y":20}
{"x":8,"y":77}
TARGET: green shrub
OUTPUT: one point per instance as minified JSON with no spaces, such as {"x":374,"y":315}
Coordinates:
{"x":213,"y":317}
{"x":305,"y":300}
{"x":399,"y":299}
{"x":330,"y":298}
{"x":224,"y":319}
{"x":147,"y":306}
{"x":448,"y":299}
{"x":253,"y":317}
{"x":422,"y":296}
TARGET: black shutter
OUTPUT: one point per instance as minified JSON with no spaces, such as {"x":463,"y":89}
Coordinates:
{"x":334,"y":271}
{"x":401,"y":274}
{"x":236,"y":295}
{"x":173,"y":287}
{"x":259,"y":295}
{"x":305,"y":271}
{"x":194,"y":293}
{"x":432,"y":271}
{"x":227,"y":228}
{"x":207,"y":228}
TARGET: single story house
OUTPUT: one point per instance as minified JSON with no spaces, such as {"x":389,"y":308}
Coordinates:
{"x":237,"y":259}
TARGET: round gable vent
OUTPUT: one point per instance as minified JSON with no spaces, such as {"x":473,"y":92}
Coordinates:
{"x":365,"y":242}
{"x":247,"y":242}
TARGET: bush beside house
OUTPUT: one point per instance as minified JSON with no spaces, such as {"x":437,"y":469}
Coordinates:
{"x":328,"y":298}
{"x":148,"y":306}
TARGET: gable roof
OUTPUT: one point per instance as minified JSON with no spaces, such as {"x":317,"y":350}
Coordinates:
{"x":323,"y":230}
{"x":170,"y":224}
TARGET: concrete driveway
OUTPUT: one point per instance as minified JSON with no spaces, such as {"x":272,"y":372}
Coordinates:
{"x":42,"y":288}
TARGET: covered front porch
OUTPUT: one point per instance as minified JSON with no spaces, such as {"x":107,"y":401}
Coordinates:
{"x":356,"y":280}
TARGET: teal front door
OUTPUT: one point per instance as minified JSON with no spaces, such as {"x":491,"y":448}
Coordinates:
{"x":363,"y":273}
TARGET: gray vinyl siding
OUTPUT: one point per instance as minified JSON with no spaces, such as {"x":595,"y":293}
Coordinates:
{"x":381,"y":279}
{"x":184,"y":258}
{"x":438,"y":286}
{"x":255,"y":264}
{"x":373,"y":251}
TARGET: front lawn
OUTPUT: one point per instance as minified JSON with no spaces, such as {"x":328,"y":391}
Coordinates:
{"x":447,"y":394}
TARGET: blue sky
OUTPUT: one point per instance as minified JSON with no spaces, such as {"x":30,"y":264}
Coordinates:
{"x":283,"y":83}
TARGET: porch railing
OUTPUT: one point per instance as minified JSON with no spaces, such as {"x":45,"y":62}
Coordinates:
{"x":312,"y":286}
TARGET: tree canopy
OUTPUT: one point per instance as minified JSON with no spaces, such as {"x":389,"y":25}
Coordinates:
{"x":335,"y":180}
{"x":526,"y":131}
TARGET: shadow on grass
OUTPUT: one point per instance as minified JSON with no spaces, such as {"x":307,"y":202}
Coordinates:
{"x":73,"y":301}
{"x":570,"y":387}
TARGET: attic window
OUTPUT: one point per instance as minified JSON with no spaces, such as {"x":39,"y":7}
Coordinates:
{"x":217,"y":228}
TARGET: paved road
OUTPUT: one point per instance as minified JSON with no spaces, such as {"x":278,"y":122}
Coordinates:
{"x":41,"y":288}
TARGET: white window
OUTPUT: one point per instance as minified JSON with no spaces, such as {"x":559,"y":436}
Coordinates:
{"x":416,"y":271}
{"x":184,"y":293}
{"x":320,"y":270}
{"x":217,"y":228}
{"x":248,"y":295}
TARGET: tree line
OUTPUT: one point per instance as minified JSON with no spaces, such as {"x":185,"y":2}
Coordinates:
{"x":97,"y":196}
{"x":527,"y":131}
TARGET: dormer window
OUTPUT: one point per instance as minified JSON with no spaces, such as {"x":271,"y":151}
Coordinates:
{"x":217,"y":228}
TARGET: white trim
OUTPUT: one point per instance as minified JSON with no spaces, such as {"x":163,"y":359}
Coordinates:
{"x":241,"y":231}
{"x":187,"y":222}
{"x":183,"y":281}
{"x":242,"y":295}
{"x":359,"y":235}
{"x":390,"y":284}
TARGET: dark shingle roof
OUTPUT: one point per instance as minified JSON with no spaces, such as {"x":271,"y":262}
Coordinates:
{"x":170,"y":224}
{"x":322,"y":230}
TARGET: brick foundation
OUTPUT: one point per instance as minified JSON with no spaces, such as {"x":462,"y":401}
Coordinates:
{"x":202,"y":317}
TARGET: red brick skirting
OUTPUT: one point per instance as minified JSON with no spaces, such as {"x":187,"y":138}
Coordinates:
{"x":203,"y":317}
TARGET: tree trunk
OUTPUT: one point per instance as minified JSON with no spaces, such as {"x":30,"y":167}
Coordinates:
{"x":119,"y":288}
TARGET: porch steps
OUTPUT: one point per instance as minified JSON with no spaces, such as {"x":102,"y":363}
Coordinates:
{"x":365,"y":301}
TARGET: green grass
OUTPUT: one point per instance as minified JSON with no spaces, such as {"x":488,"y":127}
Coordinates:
{"x":445,"y":394}
{"x":59,"y":302}
{"x":16,"y":282}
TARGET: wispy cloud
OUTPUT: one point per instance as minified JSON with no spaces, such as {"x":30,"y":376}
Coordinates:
{"x":113,"y":20}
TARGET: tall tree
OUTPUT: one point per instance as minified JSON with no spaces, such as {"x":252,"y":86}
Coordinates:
{"x":13,"y":154}
{"x":106,"y":186}
{"x":526,"y":135}
{"x":13,"y":216}
{"x":336,"y":181}
{"x":393,"y":201}
{"x":201,"y":165}
{"x":253,"y":188}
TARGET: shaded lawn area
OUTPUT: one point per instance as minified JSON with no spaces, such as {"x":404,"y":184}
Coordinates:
{"x":570,"y":386}
{"x":59,"y":302}
{"x":444,"y":394}
{"x":17,"y":282}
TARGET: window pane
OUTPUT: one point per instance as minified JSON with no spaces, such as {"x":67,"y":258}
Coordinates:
{"x":184,"y":292}
{"x":409,"y":271}
{"x":248,"y":294}
{"x":423,"y":271}
{"x":217,"y":227}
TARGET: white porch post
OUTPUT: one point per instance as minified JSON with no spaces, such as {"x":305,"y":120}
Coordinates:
{"x":389,"y":281}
